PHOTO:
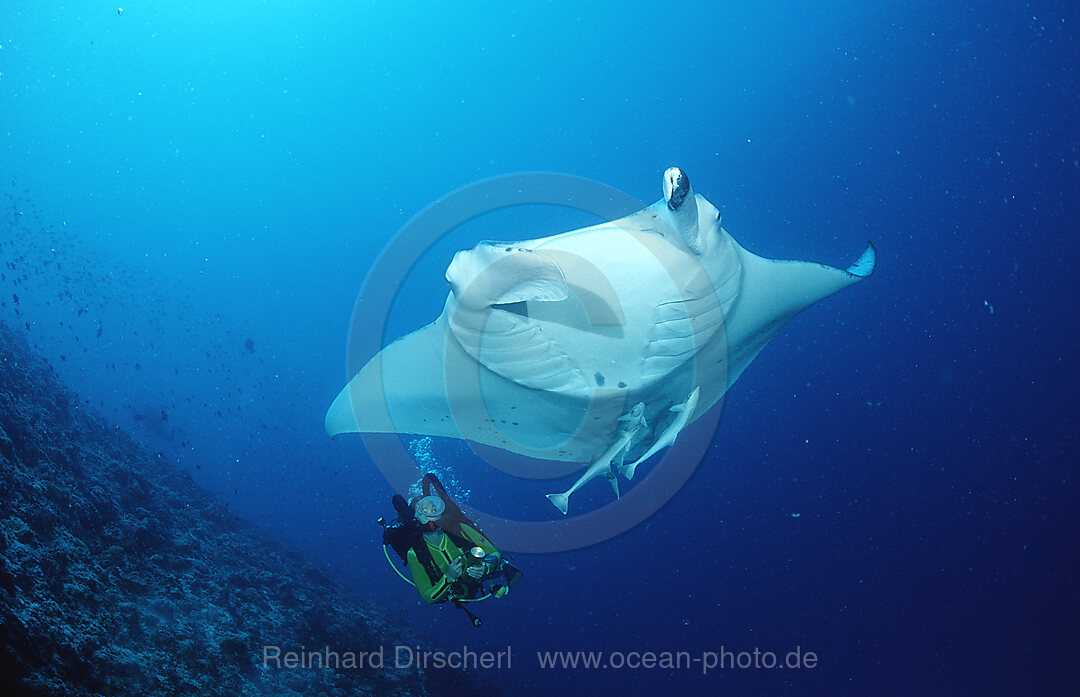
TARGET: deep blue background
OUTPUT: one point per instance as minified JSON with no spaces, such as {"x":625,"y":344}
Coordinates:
{"x":184,"y":177}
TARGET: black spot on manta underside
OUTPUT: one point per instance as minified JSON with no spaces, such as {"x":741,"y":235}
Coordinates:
{"x":599,"y":378}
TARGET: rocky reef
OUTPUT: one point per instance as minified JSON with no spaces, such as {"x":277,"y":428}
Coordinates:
{"x":119,"y":575}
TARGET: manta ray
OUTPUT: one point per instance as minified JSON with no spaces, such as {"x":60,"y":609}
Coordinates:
{"x":594,"y":345}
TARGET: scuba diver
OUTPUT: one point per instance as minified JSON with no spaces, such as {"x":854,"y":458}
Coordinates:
{"x":449,"y":558}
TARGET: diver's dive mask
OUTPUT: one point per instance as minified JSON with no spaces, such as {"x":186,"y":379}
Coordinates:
{"x":429,"y":509}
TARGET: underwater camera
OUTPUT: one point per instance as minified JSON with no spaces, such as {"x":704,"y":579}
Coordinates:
{"x":478,"y":557}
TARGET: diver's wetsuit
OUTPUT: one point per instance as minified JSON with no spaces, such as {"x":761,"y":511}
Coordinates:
{"x":443,"y":555}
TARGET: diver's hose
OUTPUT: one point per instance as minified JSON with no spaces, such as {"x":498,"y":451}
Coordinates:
{"x":475,"y":600}
{"x":394,"y":567}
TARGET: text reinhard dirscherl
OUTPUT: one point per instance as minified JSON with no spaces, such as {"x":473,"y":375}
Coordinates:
{"x":402,"y":657}
{"x":405,"y":657}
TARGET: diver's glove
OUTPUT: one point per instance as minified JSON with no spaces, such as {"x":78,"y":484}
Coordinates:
{"x":453,"y":572}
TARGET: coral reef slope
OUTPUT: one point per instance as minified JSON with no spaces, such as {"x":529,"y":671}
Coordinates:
{"x":119,"y":575}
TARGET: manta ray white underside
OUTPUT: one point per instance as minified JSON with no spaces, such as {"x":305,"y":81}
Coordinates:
{"x":592,"y":345}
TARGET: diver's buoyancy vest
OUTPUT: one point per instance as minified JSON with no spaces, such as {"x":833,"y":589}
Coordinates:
{"x":423,"y":554}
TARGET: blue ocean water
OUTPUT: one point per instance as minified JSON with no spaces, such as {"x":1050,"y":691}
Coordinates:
{"x":194,"y":193}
